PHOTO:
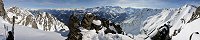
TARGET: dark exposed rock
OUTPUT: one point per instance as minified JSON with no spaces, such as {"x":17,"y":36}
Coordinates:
{"x":192,"y":35}
{"x":118,"y":29}
{"x":105,"y":22}
{"x":87,"y":21}
{"x":96,"y":27}
{"x":109,"y":31}
{"x":34,"y":25}
{"x":162,"y":33}
{"x":28,"y":20}
{"x":2,"y":10}
{"x":176,"y":31}
{"x":73,"y":26}
{"x":195,"y":15}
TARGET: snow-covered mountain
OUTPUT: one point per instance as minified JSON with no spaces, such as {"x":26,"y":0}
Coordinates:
{"x":130,"y":19}
{"x":181,"y":23}
{"x":102,"y":23}
{"x":43,"y":21}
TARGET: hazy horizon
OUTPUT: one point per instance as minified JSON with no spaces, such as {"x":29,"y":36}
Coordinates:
{"x":49,"y":4}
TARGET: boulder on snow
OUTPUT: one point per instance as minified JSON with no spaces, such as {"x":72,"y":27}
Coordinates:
{"x":73,"y":25}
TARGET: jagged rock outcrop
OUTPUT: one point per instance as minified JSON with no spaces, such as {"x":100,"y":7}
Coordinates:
{"x":42,"y":20}
{"x":74,"y":31}
{"x":87,"y":21}
{"x":163,"y":33}
{"x":195,"y":15}
{"x":117,"y":28}
{"x":113,"y":28}
{"x":106,"y":23}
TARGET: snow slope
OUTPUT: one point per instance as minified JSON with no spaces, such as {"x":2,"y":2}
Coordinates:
{"x":176,"y":18}
{"x":187,"y":30}
{"x":27,"y":33}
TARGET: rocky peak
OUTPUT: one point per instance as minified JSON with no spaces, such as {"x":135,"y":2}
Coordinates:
{"x":14,"y":9}
{"x":90,"y":22}
{"x":43,"y":21}
{"x":73,"y":26}
{"x":18,"y":11}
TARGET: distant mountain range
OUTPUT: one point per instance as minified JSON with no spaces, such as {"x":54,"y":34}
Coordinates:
{"x":127,"y":17}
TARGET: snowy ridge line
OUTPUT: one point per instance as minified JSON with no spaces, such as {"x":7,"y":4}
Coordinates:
{"x":176,"y":18}
{"x":41,"y":20}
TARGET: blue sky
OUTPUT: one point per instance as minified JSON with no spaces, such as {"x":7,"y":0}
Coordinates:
{"x":94,"y":3}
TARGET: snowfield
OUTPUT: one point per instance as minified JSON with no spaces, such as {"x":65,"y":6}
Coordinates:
{"x":27,"y":33}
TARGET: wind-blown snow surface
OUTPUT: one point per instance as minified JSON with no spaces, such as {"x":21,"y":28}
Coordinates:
{"x":27,"y":33}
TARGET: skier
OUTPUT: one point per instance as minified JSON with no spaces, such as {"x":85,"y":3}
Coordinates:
{"x":10,"y":36}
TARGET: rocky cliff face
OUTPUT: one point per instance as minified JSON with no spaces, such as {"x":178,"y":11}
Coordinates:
{"x":43,"y":20}
{"x":2,"y":11}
